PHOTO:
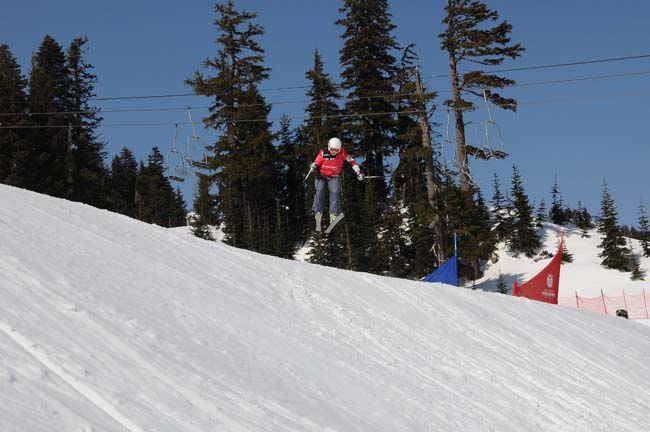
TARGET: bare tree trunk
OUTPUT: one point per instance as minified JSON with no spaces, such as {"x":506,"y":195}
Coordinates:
{"x":460,"y":127}
{"x":426,"y":143}
{"x":432,"y":189}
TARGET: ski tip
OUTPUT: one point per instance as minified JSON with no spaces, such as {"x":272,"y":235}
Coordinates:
{"x":333,"y":224}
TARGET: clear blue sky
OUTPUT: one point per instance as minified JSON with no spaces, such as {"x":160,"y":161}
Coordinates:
{"x":584,"y":131}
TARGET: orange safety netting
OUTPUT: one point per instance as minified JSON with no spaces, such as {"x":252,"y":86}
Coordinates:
{"x":636,"y":305}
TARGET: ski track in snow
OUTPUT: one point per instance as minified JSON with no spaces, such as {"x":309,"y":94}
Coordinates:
{"x":86,"y":391}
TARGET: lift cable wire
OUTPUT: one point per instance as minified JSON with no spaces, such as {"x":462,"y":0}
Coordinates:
{"x":548,"y":66}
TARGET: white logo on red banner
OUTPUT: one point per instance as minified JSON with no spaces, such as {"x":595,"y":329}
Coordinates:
{"x":549,"y":280}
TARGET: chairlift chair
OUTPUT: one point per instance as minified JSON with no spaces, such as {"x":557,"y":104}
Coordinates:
{"x":488,"y":150}
{"x":482,"y":150}
{"x":193,"y":142}
{"x":203,"y":164}
{"x":176,"y":168}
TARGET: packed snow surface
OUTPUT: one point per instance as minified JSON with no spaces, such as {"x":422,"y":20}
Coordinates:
{"x":110,"y":324}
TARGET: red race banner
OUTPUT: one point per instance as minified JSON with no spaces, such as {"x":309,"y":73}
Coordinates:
{"x":544,"y":286}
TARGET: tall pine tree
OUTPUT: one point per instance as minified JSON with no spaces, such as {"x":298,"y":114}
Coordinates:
{"x":615,"y":253}
{"x":205,"y":208}
{"x":43,"y":162}
{"x":644,"y":230}
{"x":466,"y":214}
{"x":467,"y":41}
{"x":557,"y":214}
{"x":293,"y":161}
{"x":124,"y":172}
{"x":540,"y":216}
{"x":323,"y":122}
{"x":323,"y":113}
{"x":369,"y":72}
{"x":500,"y":210}
{"x":157,"y":200}
{"x":583,"y":220}
{"x":245,"y":163}
{"x":13,"y":107}
{"x":425,"y":237}
{"x":523,"y":236}
{"x":90,"y":173}
{"x":177,"y":209}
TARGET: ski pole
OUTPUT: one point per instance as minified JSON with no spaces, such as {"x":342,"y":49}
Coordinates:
{"x":308,"y":174}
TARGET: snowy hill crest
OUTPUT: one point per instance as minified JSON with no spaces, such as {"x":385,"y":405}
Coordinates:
{"x":110,"y":324}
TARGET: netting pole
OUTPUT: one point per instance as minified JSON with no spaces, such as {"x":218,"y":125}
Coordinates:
{"x":603,"y":297}
{"x":577,"y":302}
{"x":625,"y":302}
{"x":645,"y":303}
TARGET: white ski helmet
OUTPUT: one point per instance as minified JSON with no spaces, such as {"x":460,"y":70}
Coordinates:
{"x":334,"y":143}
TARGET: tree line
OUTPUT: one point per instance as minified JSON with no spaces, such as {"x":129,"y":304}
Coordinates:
{"x":399,"y":223}
{"x":50,"y":144}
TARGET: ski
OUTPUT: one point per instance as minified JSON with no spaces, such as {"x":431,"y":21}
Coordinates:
{"x":318,"y":217}
{"x":333,"y":224}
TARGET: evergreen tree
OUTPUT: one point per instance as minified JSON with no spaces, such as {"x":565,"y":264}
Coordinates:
{"x":556,"y":212}
{"x":88,"y":152}
{"x":501,"y":210}
{"x":523,"y":236}
{"x":467,"y":42}
{"x":424,"y":235}
{"x":421,"y":235}
{"x":245,"y":163}
{"x":205,"y":207}
{"x":13,"y":106}
{"x":467,"y":215}
{"x":637,"y":273}
{"x":294,"y":196}
{"x":567,"y":257}
{"x":583,"y":220}
{"x":43,"y":162}
{"x":324,"y":115}
{"x":635,"y":268}
{"x":644,"y":230}
{"x":502,"y":288}
{"x":157,"y":198}
{"x":540,"y":216}
{"x":290,"y":220}
{"x":284,"y":245}
{"x":323,"y":122}
{"x":369,"y":71}
{"x":394,"y":244}
{"x":483,"y":238}
{"x":615,"y":254}
{"x":177,"y":209}
{"x":124,"y":172}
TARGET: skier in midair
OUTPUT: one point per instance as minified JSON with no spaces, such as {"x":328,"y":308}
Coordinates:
{"x":328,"y":165}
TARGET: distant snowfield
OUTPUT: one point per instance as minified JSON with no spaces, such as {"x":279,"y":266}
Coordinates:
{"x":110,"y":324}
{"x":584,"y":275}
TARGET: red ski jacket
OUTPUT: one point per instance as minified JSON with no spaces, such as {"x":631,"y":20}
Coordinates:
{"x":330,"y":165}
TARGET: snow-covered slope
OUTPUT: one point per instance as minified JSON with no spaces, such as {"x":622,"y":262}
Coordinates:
{"x":584,"y":276}
{"x":109,"y":324}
